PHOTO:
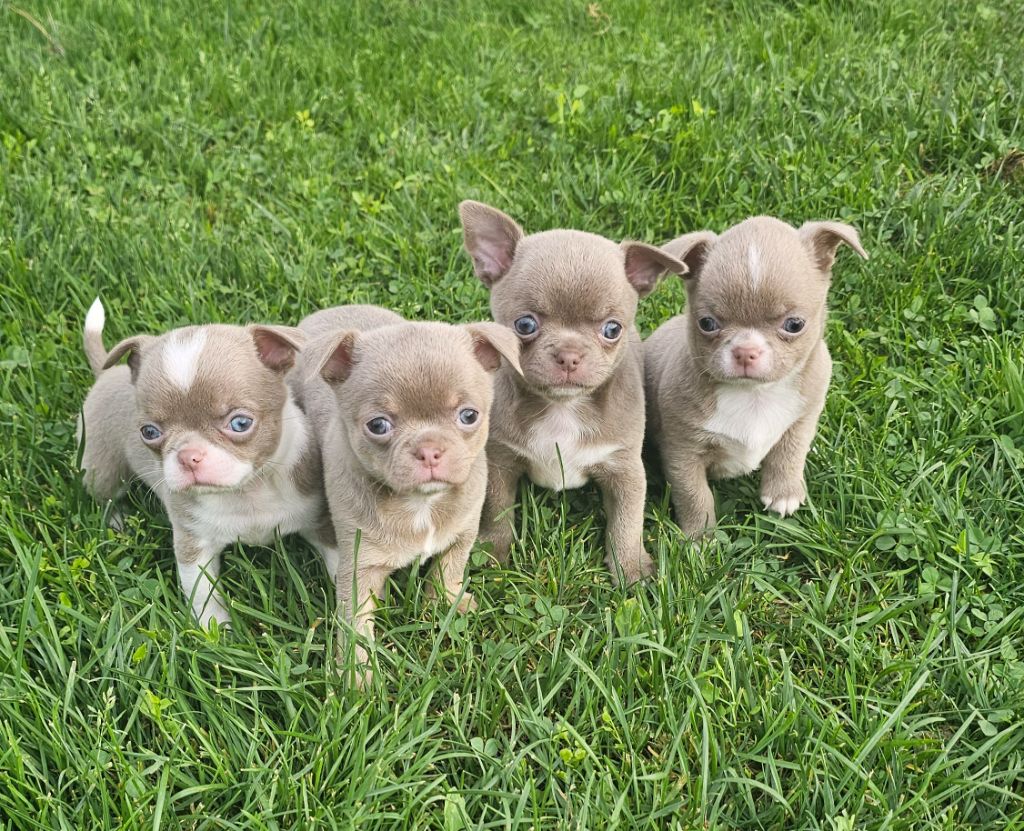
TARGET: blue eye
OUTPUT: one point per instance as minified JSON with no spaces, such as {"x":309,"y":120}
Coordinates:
{"x":379,"y":426}
{"x":793,"y":325}
{"x":708,"y":325}
{"x":150,"y":432}
{"x":611,"y":330}
{"x":468,"y":416}
{"x":240,"y":424}
{"x":526,"y":325}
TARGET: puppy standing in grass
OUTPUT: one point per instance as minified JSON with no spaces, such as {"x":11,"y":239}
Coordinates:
{"x":577,"y":411}
{"x":740,"y":377}
{"x":203,"y":416}
{"x":402,"y":412}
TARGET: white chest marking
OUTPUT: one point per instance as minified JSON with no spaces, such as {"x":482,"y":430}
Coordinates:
{"x":423,"y":523}
{"x":268,"y":503}
{"x":557,"y":455}
{"x":749,"y":421}
{"x":181,"y":357}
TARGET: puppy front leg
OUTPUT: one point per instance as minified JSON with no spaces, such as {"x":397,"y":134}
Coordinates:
{"x":782,"y":473}
{"x":198,"y":569}
{"x":623,"y":485}
{"x":358,"y":588}
{"x":450,"y":570}
{"x":692,"y":499}
{"x":504,"y":468}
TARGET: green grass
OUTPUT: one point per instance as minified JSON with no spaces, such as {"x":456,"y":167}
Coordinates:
{"x":860,"y":665}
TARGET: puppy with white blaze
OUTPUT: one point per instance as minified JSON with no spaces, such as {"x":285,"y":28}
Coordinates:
{"x":204,"y":417}
{"x":738,"y":381}
{"x":577,"y":411}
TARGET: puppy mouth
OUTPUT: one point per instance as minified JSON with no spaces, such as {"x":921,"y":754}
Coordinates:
{"x":433,"y":486}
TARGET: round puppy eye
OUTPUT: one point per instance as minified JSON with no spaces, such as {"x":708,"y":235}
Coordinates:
{"x":240,"y":424}
{"x":793,"y":325}
{"x":708,"y":325}
{"x":379,"y":426}
{"x":526,"y":325}
{"x":611,"y":330}
{"x":150,"y":432}
{"x":468,"y":416}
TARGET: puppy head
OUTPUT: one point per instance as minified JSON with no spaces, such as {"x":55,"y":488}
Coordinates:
{"x":211,"y":400}
{"x":414,"y":398}
{"x":756,"y":295}
{"x":569,"y":296}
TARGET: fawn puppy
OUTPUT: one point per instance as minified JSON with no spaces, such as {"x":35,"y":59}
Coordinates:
{"x":577,"y":410}
{"x":739,"y":379}
{"x":402,"y":412}
{"x":204,"y":417}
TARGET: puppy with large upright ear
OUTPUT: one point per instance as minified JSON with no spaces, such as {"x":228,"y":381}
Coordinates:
{"x":402,"y":412}
{"x":577,"y":411}
{"x":204,"y":417}
{"x":739,"y":379}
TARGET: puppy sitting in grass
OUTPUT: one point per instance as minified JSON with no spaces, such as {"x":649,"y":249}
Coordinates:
{"x":203,"y":416}
{"x":577,"y":410}
{"x":402,"y":412}
{"x":739,"y":379}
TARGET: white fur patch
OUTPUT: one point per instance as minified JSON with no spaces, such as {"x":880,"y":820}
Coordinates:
{"x":181,"y":357}
{"x":96,"y":318}
{"x":219,"y":468}
{"x":557,"y":455}
{"x":749,"y":421}
{"x":754,"y":264}
{"x":745,"y":338}
{"x":266,"y":504}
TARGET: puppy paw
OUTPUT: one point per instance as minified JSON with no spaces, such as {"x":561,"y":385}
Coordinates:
{"x":784,"y":500}
{"x":466,"y":604}
{"x":361,"y":675}
{"x":215,"y":612}
{"x":628,"y":572}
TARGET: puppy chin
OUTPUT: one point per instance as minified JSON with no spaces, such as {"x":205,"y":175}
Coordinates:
{"x":432,"y":487}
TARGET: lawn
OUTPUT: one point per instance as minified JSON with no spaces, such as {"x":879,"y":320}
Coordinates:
{"x":859,"y":665}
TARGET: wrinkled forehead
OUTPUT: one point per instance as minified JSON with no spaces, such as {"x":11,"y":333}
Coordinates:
{"x":420,"y":371}
{"x":570,"y":276}
{"x":201,"y":371}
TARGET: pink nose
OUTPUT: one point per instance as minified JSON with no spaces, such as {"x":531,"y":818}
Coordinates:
{"x":429,"y":454}
{"x":568,"y":360}
{"x":191,"y":457}
{"x":746,"y":355}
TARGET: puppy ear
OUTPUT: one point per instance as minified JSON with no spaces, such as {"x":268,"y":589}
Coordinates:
{"x":822,"y":239}
{"x":692,"y":249}
{"x":277,"y":346}
{"x":492,"y":342}
{"x":334,"y":356}
{"x":646,"y":263}
{"x":133,"y":348}
{"x":490,"y":238}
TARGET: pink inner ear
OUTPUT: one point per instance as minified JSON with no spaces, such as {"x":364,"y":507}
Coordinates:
{"x":338,"y":365}
{"x":642,"y":270}
{"x":486,"y":354}
{"x":274,"y":352}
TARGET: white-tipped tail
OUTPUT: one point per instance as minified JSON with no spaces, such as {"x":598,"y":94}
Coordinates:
{"x":93,"y":337}
{"x":96,"y":317}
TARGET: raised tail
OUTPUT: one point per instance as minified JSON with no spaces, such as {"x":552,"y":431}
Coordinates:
{"x":92,"y":338}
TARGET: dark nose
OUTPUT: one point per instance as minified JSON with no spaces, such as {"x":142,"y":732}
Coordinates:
{"x":429,"y":454}
{"x":190,"y":457}
{"x":568,"y":360}
{"x":746,"y":355}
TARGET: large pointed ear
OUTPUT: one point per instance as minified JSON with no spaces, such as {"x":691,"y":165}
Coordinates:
{"x":277,"y":346}
{"x":490,"y":238}
{"x":133,"y":347}
{"x":646,"y":263}
{"x":333,"y":356}
{"x":692,"y":249}
{"x":492,"y":342}
{"x":822,"y":239}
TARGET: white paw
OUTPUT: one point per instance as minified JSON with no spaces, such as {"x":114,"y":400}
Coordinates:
{"x":783,"y":504}
{"x":214,"y":612}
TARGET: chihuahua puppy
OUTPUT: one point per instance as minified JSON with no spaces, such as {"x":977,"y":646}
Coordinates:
{"x":739,"y":379}
{"x":203,"y":416}
{"x":577,"y":411}
{"x":402,"y":412}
